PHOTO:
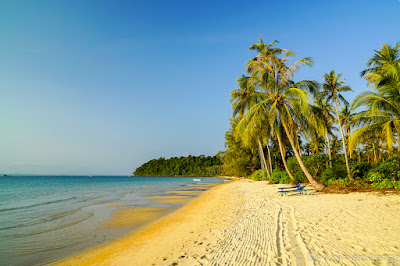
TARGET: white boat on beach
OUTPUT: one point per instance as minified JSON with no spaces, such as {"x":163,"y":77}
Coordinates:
{"x":197,"y":179}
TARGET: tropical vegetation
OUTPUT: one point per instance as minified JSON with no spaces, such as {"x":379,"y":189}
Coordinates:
{"x":182,"y":166}
{"x":287,"y":130}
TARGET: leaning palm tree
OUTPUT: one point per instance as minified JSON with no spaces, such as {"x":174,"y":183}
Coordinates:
{"x":278,"y":132}
{"x":266,"y":57}
{"x":286,"y":101}
{"x":332,"y":89}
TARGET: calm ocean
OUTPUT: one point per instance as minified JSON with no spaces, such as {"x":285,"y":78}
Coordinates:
{"x":46,"y":218}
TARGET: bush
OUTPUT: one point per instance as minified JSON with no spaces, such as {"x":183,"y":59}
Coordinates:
{"x":340,"y":181}
{"x":258,"y":175}
{"x":294,"y":167}
{"x":280,"y":177}
{"x":338,"y":159}
{"x":388,"y":169}
{"x":315,"y":164}
{"x":360,"y":169}
{"x":374,"y":176}
{"x":334,"y":173}
{"x":386,"y":183}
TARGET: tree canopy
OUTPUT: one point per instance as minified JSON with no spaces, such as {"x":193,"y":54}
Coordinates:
{"x":181,"y":166}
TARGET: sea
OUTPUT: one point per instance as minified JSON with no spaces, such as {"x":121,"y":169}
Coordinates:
{"x":47,"y":218}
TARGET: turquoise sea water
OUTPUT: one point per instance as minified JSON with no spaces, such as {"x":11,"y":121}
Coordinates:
{"x":46,"y":218}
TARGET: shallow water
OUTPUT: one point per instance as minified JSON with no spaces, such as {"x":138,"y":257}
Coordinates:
{"x":46,"y":218}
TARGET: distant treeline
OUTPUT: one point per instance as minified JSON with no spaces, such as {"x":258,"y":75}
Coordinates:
{"x":181,"y":166}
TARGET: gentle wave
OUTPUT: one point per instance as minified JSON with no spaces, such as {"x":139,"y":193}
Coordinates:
{"x":50,"y":218}
{"x":44,"y":203}
{"x":89,"y":215}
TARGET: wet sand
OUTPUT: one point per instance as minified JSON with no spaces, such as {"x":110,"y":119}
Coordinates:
{"x":134,"y":217}
{"x":248,"y":223}
{"x":179,"y":199}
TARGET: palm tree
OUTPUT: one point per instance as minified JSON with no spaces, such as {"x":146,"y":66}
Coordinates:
{"x":243,"y":99}
{"x":324,"y":111}
{"x":387,"y":55}
{"x":346,"y":118}
{"x":317,"y":144}
{"x":278,"y":134}
{"x":336,"y":146}
{"x":382,"y":114}
{"x":332,"y":89}
{"x":286,"y":101}
{"x":267,"y":55}
{"x":358,"y":152}
{"x":307,"y":148}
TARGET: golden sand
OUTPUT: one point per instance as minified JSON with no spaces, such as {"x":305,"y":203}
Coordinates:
{"x":187,"y":192}
{"x":248,"y":223}
{"x":179,"y":199}
{"x":133,"y":217}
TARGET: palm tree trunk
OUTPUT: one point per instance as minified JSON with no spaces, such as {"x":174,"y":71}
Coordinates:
{"x":283,"y":156}
{"x":373,"y":149}
{"x":398,"y":155}
{"x":344,"y":142}
{"x":318,"y":186}
{"x":262,"y":158}
{"x":329,"y":150}
{"x":326,"y":151}
{"x":269,"y":159}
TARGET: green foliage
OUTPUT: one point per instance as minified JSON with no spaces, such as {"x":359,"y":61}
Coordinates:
{"x":182,"y":166}
{"x":378,"y":175}
{"x":336,"y":172}
{"x":374,"y":176}
{"x":360,"y":169}
{"x":387,"y":168}
{"x":258,"y":175}
{"x":338,"y":158}
{"x":237,"y":159}
{"x":386,"y":183}
{"x":340,"y":181}
{"x":315,"y":164}
{"x":280,"y":177}
{"x":294,"y":167}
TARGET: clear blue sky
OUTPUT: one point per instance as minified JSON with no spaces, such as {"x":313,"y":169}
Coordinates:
{"x":100,"y":87}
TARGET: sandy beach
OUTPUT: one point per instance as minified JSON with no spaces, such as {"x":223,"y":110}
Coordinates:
{"x":248,"y":223}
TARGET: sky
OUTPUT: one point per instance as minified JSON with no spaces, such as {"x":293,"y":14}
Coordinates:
{"x":100,"y":87}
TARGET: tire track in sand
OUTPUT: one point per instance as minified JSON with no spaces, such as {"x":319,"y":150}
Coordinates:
{"x":264,"y":233}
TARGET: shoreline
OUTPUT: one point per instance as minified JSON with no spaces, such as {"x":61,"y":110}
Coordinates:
{"x":103,"y":252}
{"x":247,"y":222}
